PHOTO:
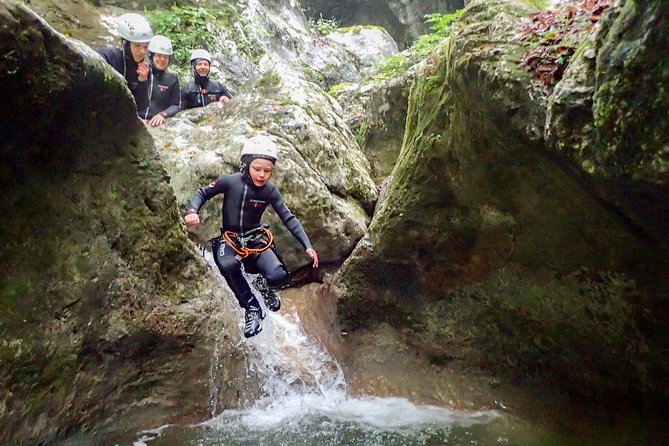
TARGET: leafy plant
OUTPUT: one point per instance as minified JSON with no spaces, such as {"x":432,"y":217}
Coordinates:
{"x":186,"y":27}
{"x":191,"y":27}
{"x":553,"y":35}
{"x":441,"y":26}
{"x":324,"y":26}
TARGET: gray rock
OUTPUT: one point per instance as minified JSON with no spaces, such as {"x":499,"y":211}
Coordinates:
{"x":322,"y":173}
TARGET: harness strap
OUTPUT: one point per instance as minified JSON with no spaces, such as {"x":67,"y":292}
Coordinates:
{"x":238,"y":242}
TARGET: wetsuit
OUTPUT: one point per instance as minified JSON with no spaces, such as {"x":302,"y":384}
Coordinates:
{"x":243,"y":207}
{"x":124,"y":64}
{"x":164,"y":94}
{"x":202,"y":91}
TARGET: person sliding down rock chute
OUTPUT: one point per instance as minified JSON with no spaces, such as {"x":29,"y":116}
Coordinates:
{"x":245,"y":240}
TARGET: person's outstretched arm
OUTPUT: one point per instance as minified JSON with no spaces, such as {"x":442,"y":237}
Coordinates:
{"x":294,"y":226}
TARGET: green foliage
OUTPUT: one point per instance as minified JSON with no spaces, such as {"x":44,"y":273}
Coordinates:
{"x":441,"y":26}
{"x":191,"y":27}
{"x":186,"y":27}
{"x":394,"y":65}
{"x":324,"y":26}
{"x":270,"y":81}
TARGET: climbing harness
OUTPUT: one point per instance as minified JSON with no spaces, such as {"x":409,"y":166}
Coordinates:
{"x":250,"y":242}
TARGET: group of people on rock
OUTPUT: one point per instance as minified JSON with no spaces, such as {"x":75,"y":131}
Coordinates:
{"x":143,"y":60}
{"x":245,"y":244}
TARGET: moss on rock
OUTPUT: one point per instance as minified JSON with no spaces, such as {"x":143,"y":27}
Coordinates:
{"x":631,"y":102}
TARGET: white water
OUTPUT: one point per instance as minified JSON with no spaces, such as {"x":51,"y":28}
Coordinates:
{"x":304,"y":400}
{"x":301,"y":380}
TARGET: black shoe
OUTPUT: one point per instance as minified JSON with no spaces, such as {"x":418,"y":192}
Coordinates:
{"x":253,"y":321}
{"x":269,"y":295}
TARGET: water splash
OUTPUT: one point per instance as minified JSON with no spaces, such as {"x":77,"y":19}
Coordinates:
{"x":304,"y":400}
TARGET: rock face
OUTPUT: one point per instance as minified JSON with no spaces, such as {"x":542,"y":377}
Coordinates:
{"x":370,"y":44}
{"x":78,"y":19}
{"x":105,"y":305}
{"x":376,"y":111}
{"x":322,"y":173}
{"x":603,"y":114}
{"x":489,"y":237}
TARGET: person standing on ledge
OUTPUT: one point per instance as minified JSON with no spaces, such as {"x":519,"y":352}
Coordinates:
{"x":202,"y":90}
{"x":244,"y":239}
{"x":131,"y":59}
{"x":163,"y":86}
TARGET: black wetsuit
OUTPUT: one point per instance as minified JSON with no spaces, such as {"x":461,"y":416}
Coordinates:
{"x":201,"y":92}
{"x":243,"y":207}
{"x":128,"y":69}
{"x":164,"y":95}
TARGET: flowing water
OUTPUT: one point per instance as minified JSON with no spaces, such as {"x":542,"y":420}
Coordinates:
{"x":304,"y":401}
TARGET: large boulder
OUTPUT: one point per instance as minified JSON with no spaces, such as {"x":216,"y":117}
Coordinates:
{"x":487,"y":237}
{"x":370,"y":44}
{"x":108,"y":313}
{"x":602,"y":115}
{"x":376,"y":111}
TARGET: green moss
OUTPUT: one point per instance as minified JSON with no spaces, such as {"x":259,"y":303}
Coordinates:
{"x":336,"y":89}
{"x":270,"y":81}
{"x":539,"y":4}
{"x":357,"y":28}
{"x":314,"y":75}
{"x":628,"y":107}
{"x":58,"y":371}
{"x":576,"y":331}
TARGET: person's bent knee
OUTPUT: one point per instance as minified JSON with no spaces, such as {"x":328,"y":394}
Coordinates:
{"x":277,"y":277}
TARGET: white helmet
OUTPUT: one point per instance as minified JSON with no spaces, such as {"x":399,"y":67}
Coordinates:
{"x":160,"y":45}
{"x":261,"y":146}
{"x":200,"y":54}
{"x":134,"y":28}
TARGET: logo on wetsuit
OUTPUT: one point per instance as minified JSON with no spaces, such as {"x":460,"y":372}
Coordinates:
{"x":257,"y":203}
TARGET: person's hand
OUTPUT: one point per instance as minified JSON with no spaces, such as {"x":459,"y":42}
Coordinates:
{"x":192,"y":219}
{"x":224,"y":99}
{"x":142,"y":71}
{"x":311,"y":253}
{"x":156,"y":120}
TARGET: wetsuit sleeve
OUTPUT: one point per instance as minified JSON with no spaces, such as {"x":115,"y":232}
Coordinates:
{"x":226,"y":92}
{"x":289,"y":220}
{"x":203,"y":194}
{"x":175,"y":100}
